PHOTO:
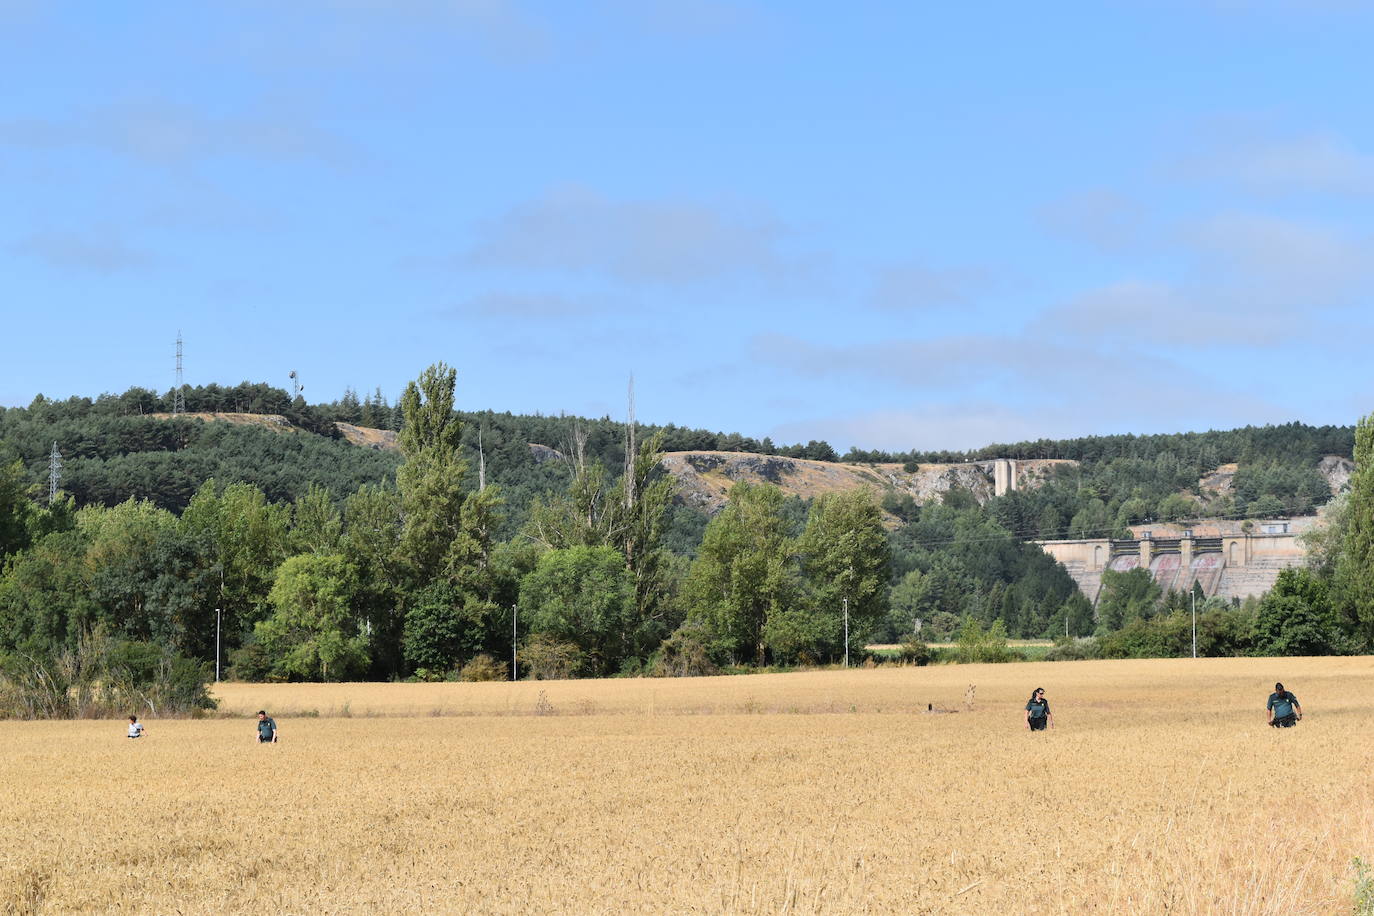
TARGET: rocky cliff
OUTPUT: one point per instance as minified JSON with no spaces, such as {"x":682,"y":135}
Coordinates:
{"x":705,"y":478}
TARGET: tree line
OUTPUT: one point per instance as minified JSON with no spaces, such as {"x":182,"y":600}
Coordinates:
{"x":410,"y":577}
{"x":444,"y":560}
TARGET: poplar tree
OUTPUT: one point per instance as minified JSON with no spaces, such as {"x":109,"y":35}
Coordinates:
{"x":431,"y":477}
{"x":1355,"y":569}
{"x":446,"y":532}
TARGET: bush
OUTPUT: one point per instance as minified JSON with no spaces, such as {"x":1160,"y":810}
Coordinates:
{"x":250,"y":662}
{"x":102,"y":677}
{"x":483,"y":668}
{"x":546,"y":659}
{"x":1076,"y":650}
{"x":915,"y":652}
{"x":977,"y":645}
{"x":684,"y":654}
{"x":143,"y":674}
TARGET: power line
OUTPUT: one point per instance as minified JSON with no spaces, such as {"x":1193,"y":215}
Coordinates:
{"x":1103,"y":532}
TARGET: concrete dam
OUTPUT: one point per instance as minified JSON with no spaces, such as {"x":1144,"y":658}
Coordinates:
{"x":1229,"y":560}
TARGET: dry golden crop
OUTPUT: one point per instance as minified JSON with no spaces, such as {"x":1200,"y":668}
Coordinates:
{"x":1160,"y":790}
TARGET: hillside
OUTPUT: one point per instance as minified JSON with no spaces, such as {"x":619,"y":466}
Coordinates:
{"x":705,"y":478}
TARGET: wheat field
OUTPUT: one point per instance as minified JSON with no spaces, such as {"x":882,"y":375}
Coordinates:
{"x":1160,"y":791}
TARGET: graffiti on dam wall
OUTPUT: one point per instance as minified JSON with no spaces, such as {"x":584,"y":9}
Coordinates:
{"x":1124,"y":562}
{"x":1229,"y":566}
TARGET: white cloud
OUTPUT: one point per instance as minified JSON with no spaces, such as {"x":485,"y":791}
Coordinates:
{"x":1253,"y":155}
{"x":955,"y":427}
{"x":87,"y":253}
{"x":1098,"y":217}
{"x":1301,"y":262}
{"x":687,"y":17}
{"x":388,"y":32}
{"x":1251,"y":280}
{"x":524,"y":305}
{"x":1136,"y":311}
{"x":578,"y":230}
{"x":913,"y":287}
{"x":985,"y":362}
{"x":976,"y":420}
{"x":163,"y":133}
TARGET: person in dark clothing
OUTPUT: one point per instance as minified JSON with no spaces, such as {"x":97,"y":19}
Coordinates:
{"x":1038,"y":716}
{"x":267,"y":728}
{"x":1284,"y":709}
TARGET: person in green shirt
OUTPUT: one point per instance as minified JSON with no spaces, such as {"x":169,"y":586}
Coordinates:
{"x":1038,"y":715}
{"x":267,"y":728}
{"x":1284,"y":709}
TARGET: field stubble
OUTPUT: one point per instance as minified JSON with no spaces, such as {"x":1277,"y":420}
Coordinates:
{"x":1161,"y":790}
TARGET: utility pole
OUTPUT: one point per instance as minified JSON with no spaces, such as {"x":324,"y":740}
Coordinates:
{"x":218,"y":614}
{"x":514,"y":670}
{"x":846,"y":632}
{"x":1193,"y":594}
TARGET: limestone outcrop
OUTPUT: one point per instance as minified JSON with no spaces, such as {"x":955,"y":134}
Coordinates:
{"x":705,"y":478}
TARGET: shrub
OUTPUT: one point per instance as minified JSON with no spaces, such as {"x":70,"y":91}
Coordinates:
{"x":684,"y":654}
{"x":547,"y":659}
{"x":483,"y":668}
{"x":1364,"y":888}
{"x":914,"y":652}
{"x":977,"y":645}
{"x":250,"y":662}
{"x":1076,"y":650}
{"x":102,"y":677}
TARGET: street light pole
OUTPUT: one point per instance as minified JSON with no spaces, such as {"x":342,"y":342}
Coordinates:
{"x":1194,"y":595}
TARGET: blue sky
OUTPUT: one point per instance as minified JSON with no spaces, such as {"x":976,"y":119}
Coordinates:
{"x":889,"y":225}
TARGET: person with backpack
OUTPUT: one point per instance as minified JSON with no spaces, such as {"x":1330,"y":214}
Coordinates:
{"x":1038,"y":715}
{"x":267,"y":728}
{"x":1284,"y":709}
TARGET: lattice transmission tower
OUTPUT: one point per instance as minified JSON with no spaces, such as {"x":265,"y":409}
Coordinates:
{"x":178,"y":395}
{"x":54,"y":473}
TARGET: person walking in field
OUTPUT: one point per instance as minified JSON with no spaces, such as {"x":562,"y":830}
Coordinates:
{"x":267,"y":728}
{"x":135,"y":727}
{"x":1284,"y":709}
{"x":1038,"y":715}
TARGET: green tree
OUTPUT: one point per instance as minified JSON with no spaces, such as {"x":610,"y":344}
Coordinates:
{"x":1289,"y":625}
{"x":46,"y":601}
{"x":584,"y":596}
{"x":123,"y":558}
{"x":744,"y":572}
{"x":313,"y":631}
{"x":1124,"y":597}
{"x":845,"y":556}
{"x":1355,"y":568}
{"x":431,"y":477}
{"x":1091,"y":521}
{"x":1176,"y":506}
{"x":15,"y":508}
{"x":316,"y":524}
{"x":444,"y":628}
{"x":372,"y":543}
